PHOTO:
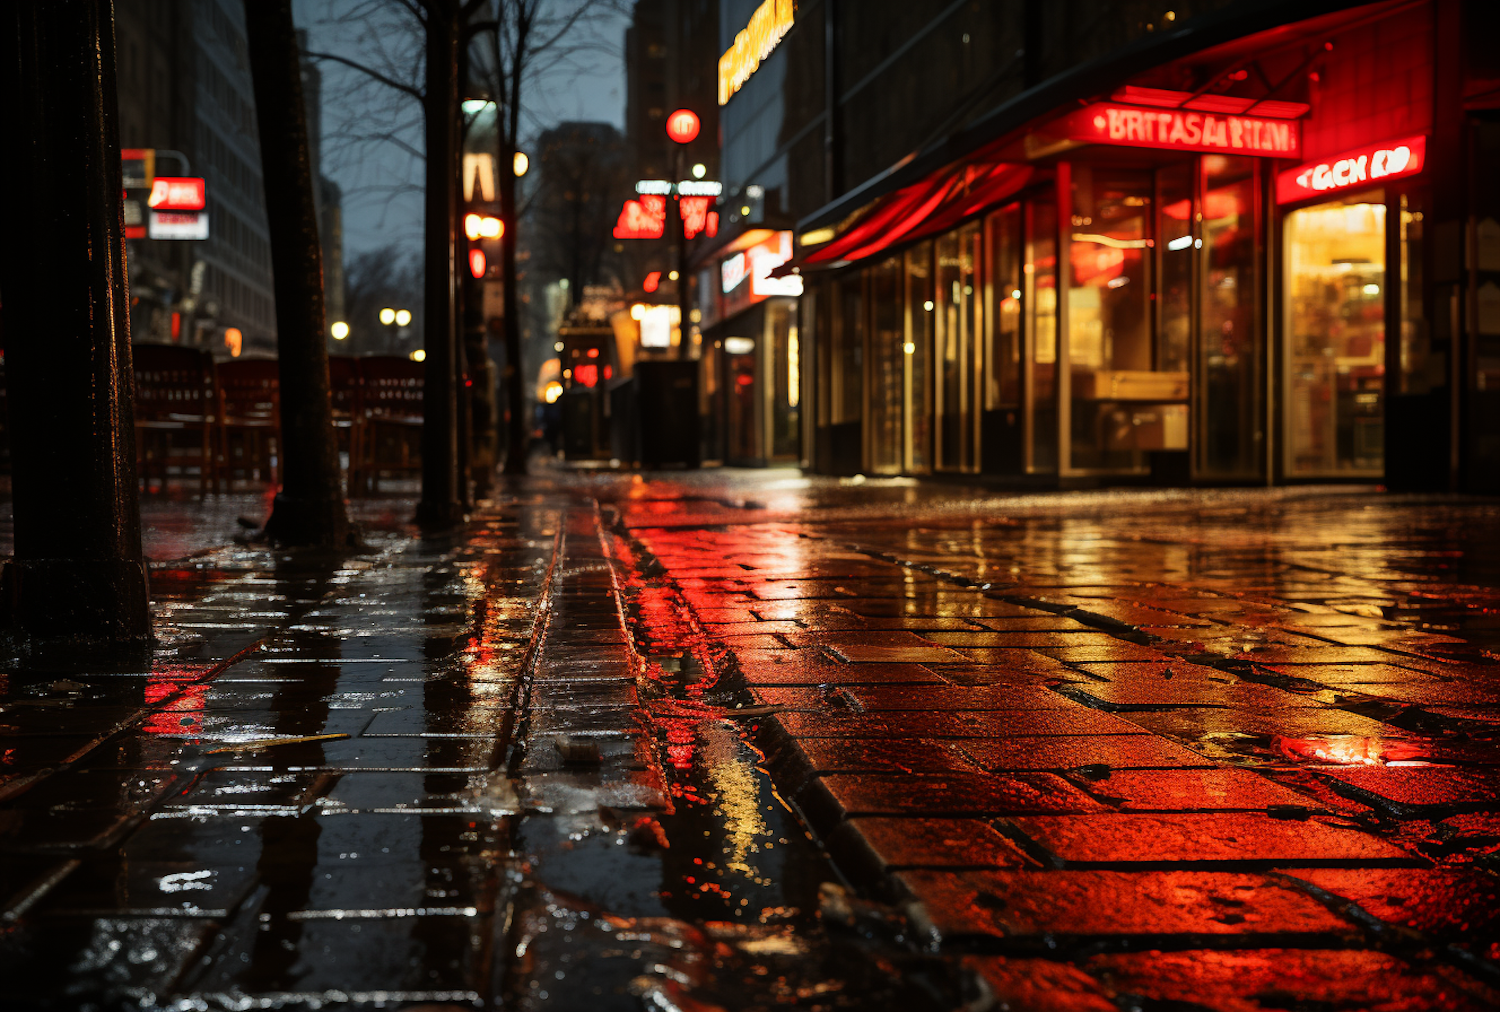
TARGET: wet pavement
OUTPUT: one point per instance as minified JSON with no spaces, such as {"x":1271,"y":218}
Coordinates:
{"x":749,"y":740}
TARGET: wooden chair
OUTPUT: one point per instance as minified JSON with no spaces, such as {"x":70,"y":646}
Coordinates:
{"x":344,"y":385}
{"x":390,"y":394}
{"x":250,"y":433}
{"x":176,"y":412}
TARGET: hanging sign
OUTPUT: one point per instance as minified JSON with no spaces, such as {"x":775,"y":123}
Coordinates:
{"x":176,"y":193}
{"x":1373,"y":163}
{"x":177,"y":225}
{"x":1184,"y":130}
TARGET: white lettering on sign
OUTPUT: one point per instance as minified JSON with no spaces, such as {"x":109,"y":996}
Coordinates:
{"x":1388,"y":160}
{"x":1107,"y":123}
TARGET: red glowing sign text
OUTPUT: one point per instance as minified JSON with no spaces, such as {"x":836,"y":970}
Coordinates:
{"x":176,"y":193}
{"x":696,"y":216}
{"x":1359,"y":167}
{"x":1183,"y":130}
{"x":682,"y":126}
{"x":643,"y":218}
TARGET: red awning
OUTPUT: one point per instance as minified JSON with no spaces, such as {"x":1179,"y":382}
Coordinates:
{"x":925,"y":208}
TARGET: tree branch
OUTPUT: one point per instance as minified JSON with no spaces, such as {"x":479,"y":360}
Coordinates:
{"x":389,"y":82}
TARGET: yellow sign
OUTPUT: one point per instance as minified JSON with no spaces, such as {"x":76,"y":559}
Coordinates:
{"x":770,"y":22}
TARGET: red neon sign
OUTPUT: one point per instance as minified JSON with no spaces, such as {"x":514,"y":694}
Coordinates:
{"x":682,"y":126}
{"x":176,"y":193}
{"x":652,"y":282}
{"x":476,"y":262}
{"x":1183,"y":130}
{"x":643,"y":218}
{"x":696,"y":217}
{"x":1383,"y":161}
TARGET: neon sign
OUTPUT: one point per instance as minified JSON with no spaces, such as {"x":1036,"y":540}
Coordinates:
{"x":176,"y":193}
{"x":1384,"y":161}
{"x":1183,"y":130}
{"x":642,"y":219}
{"x":768,"y":25}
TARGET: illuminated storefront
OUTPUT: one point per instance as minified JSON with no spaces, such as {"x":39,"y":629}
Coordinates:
{"x":1220,"y":269}
{"x":751,"y":348}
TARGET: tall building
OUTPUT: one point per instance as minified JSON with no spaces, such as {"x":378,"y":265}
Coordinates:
{"x":1072,"y":243}
{"x":185,"y":92}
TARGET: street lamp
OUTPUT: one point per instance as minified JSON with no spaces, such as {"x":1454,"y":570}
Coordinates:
{"x":682,"y":127}
{"x":520,"y":164}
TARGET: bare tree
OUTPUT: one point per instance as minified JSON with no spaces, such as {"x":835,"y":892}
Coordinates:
{"x":309,"y":507}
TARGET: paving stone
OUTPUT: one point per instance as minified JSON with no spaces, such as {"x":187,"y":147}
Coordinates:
{"x":876,"y":846}
{"x":1119,"y":839}
{"x":1459,"y":904}
{"x":1410,"y":790}
{"x":1251,"y":980}
{"x":835,"y":796}
{"x":1116,"y":751}
{"x":1041,"y":985}
{"x":1139,"y":905}
{"x":1194,"y":790}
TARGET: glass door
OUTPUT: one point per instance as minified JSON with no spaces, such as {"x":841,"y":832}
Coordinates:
{"x":1335,"y":333}
{"x":1230,"y":419}
{"x":919,"y":320}
{"x":1039,"y":294}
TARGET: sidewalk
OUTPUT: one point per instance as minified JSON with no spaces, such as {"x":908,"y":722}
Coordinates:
{"x":750,"y":739}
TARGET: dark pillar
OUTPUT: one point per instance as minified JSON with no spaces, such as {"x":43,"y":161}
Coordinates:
{"x":78,"y":575}
{"x":440,"y":505}
{"x":309,"y":507}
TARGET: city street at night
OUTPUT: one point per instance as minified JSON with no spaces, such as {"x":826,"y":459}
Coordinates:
{"x":751,"y":739}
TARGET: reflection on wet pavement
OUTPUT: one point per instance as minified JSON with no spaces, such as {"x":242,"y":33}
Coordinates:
{"x":740,"y":741}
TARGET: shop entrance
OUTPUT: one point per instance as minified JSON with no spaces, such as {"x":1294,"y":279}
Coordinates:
{"x":1335,"y":334}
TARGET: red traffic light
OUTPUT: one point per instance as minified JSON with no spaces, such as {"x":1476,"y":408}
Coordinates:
{"x":476,"y":262}
{"x":682,"y":126}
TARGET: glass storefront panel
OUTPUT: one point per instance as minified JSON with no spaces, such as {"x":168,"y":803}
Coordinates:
{"x":959,"y":319}
{"x":1230,"y":392}
{"x":784,"y":392}
{"x":918,"y":351}
{"x":1175,"y":235}
{"x":1421,"y":370}
{"x":1040,"y":293}
{"x":744,"y":442}
{"x":887,"y":368}
{"x":1002,"y":388}
{"x":1109,"y":314}
{"x":1335,"y":270}
{"x":846,"y":399}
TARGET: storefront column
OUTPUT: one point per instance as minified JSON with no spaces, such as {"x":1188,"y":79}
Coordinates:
{"x":78,"y":576}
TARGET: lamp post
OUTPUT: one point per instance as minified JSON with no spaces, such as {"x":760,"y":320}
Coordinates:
{"x":682,"y":128}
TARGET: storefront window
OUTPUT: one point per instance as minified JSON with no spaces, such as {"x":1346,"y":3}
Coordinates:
{"x":887,"y":367}
{"x":781,"y":333}
{"x":918,"y":350}
{"x":1002,"y":388}
{"x":1421,"y":370}
{"x":1335,"y":266}
{"x":1041,"y":293}
{"x":959,"y":318}
{"x":743,"y":429}
{"x":1109,"y":312}
{"x":1175,"y":253}
{"x":1230,"y":390}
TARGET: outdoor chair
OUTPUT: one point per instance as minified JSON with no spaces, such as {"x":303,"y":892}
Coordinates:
{"x":250,"y":433}
{"x":344,"y":385}
{"x":390,"y":440}
{"x":175,"y":413}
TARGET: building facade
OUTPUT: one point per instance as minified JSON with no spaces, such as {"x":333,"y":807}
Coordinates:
{"x":1228,"y":243}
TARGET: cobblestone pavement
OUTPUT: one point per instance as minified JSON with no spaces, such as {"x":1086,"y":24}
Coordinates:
{"x":752,"y":740}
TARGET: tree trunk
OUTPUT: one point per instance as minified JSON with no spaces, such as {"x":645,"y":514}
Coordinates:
{"x":78,"y":576}
{"x":517,"y":427}
{"x":309,"y":508}
{"x":440,"y":507}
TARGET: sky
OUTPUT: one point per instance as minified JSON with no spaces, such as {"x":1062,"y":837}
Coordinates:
{"x":372,"y":134}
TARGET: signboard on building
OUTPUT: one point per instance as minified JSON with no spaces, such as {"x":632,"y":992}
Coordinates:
{"x":1184,"y":130}
{"x":1365,"y":166}
{"x":177,"y":225}
{"x":768,"y":25}
{"x":176,"y":193}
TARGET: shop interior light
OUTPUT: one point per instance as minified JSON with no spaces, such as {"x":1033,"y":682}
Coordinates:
{"x":387,"y":316}
{"x":403,"y":317}
{"x":339,"y":330}
{"x":638,"y":311}
{"x":420,"y":355}
{"x":672,"y":276}
{"x":557,"y":346}
{"x":552,"y":392}
{"x":1181,"y":242}
{"x":1016,"y":294}
{"x":520,"y":164}
{"x":471,"y":226}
